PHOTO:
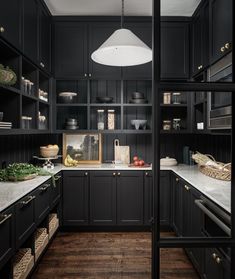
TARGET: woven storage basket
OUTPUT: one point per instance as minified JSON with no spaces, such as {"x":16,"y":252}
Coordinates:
{"x":221,"y":173}
{"x":41,"y":241}
{"x":23,"y":263}
{"x":53,"y":224}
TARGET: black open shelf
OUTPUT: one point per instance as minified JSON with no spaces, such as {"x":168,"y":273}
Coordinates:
{"x":44,"y":111}
{"x":140,"y":113}
{"x":29,"y":109}
{"x":142,"y":86}
{"x":44,"y":85}
{"x":29,"y":72}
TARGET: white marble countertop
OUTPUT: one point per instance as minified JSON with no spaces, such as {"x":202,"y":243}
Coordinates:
{"x":218,"y":191}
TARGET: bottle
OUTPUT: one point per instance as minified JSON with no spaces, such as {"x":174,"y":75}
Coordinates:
{"x":111,"y":119}
{"x":100,"y":119}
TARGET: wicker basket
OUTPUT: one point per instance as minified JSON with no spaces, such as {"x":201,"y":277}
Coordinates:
{"x":53,"y":224}
{"x":221,"y":171}
{"x":41,"y":240}
{"x":23,"y":263}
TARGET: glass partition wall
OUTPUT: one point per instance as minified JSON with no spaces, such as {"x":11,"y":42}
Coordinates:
{"x":193,"y":95}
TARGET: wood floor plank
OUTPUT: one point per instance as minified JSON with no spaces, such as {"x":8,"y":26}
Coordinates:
{"x":109,"y":256}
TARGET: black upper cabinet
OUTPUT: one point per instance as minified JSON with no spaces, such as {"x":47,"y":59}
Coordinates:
{"x":45,"y":39}
{"x":200,"y":39}
{"x":130,"y":192}
{"x":175,"y":50}
{"x":144,"y":32}
{"x":30,"y":29}
{"x":75,"y":198}
{"x":70,"y":49}
{"x":220,"y":28}
{"x":102,"y":198}
{"x":98,"y":33}
{"x":10,"y":21}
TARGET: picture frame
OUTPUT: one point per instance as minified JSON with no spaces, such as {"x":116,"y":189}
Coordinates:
{"x":82,"y":148}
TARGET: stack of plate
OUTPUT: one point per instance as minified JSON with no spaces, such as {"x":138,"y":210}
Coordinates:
{"x":5,"y":125}
{"x":71,"y":124}
{"x":138,"y":98}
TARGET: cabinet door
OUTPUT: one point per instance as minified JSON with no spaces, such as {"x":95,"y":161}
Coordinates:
{"x":102,"y":198}
{"x":186,"y":209}
{"x":42,"y":201}
{"x":30,"y":29}
{"x":220,"y":27}
{"x":56,"y":190}
{"x":177,"y":205}
{"x":75,"y":198}
{"x":130,"y":196}
{"x":148,"y":198}
{"x":175,"y":50}
{"x":165,"y":199}
{"x":10,"y":21}
{"x":45,"y":39}
{"x":6,"y":236}
{"x":98,"y":34}
{"x":144,"y":32}
{"x":70,"y":50}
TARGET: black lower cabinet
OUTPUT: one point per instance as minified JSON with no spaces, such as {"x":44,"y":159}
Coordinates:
{"x":75,"y":198}
{"x":56,"y":190}
{"x":102,"y":198}
{"x":130,"y":192}
{"x":6,"y":236}
{"x":148,"y":198}
{"x":42,"y":201}
{"x":177,"y":205}
{"x":25,"y":219}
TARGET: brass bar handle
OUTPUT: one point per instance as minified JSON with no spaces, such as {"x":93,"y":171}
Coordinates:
{"x":45,"y":187}
{"x":187,"y":188}
{"x":30,"y":198}
{"x":57,"y":177}
{"x":4,"y":218}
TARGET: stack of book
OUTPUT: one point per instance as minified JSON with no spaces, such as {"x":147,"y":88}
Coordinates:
{"x":5,"y":125}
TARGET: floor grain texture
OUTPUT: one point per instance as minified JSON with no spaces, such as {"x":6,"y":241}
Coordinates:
{"x":109,"y":256}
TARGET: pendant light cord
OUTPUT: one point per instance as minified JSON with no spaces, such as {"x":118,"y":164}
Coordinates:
{"x":122,"y":17}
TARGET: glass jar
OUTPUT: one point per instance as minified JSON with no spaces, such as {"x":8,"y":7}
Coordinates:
{"x":30,"y":88}
{"x":100,"y":119}
{"x":176,"y":98}
{"x":176,"y":123}
{"x":111,"y":119}
{"x":24,"y":122}
{"x":166,"y":98}
{"x":166,"y":125}
{"x":26,"y":86}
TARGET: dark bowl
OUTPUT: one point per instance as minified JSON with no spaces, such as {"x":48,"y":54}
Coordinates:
{"x":137,"y":95}
{"x":104,"y":99}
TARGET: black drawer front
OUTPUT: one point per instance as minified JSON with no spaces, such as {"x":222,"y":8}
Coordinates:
{"x":6,"y":236}
{"x":56,"y":190}
{"x":25,"y":218}
{"x":42,"y":201}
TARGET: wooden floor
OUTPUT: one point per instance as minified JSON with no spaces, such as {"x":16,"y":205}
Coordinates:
{"x":109,"y":256}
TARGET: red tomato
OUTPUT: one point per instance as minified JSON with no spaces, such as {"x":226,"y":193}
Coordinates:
{"x":141,"y":163}
{"x":136,"y":163}
{"x":135,"y":158}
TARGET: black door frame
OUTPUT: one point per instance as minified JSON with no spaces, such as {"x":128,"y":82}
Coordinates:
{"x":158,"y":86}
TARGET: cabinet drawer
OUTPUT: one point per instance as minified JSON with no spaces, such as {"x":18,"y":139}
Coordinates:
{"x":42,"y":201}
{"x":56,"y":190}
{"x":25,"y":218}
{"x":6,"y":236}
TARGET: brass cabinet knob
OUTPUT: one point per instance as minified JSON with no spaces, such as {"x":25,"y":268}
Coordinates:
{"x":85,"y":75}
{"x":200,"y":67}
{"x":218,"y":260}
{"x":86,"y":173}
{"x":177,"y":179}
{"x":42,"y":65}
{"x":119,"y":174}
{"x":227,"y":46}
{"x":187,"y":188}
{"x":114,"y":174}
{"x":2,"y":29}
{"x":222,"y":49}
{"x":146,"y":174}
{"x":89,"y":75}
{"x":214,"y":256}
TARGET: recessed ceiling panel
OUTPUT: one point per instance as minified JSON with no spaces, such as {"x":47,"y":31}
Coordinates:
{"x":113,"y":7}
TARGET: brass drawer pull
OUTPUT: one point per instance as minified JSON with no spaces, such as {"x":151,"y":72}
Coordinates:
{"x":45,"y":187}
{"x":30,"y":198}
{"x":57,"y":177}
{"x":4,"y":218}
{"x":187,"y":188}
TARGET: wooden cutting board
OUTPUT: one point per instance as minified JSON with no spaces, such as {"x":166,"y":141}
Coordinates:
{"x":121,"y":153}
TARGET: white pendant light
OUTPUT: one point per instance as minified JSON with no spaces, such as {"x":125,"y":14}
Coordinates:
{"x":122,"y":48}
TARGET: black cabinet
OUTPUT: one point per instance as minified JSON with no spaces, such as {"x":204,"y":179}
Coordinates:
{"x":200,"y":38}
{"x":70,"y":45}
{"x":177,"y":205}
{"x":10,"y":21}
{"x":25,"y":219}
{"x":148,"y":198}
{"x":42,"y":201}
{"x":130,"y":193}
{"x":56,"y":190}
{"x":165,"y":199}
{"x":220,"y":28}
{"x":144,"y":32}
{"x":175,"y":50}
{"x":102,"y":198}
{"x":30,"y":29}
{"x":6,"y":235}
{"x":75,"y":198}
{"x":99,"y":32}
{"x":45,"y":39}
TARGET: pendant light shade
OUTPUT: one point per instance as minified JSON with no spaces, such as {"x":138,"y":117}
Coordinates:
{"x":123,"y":48}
